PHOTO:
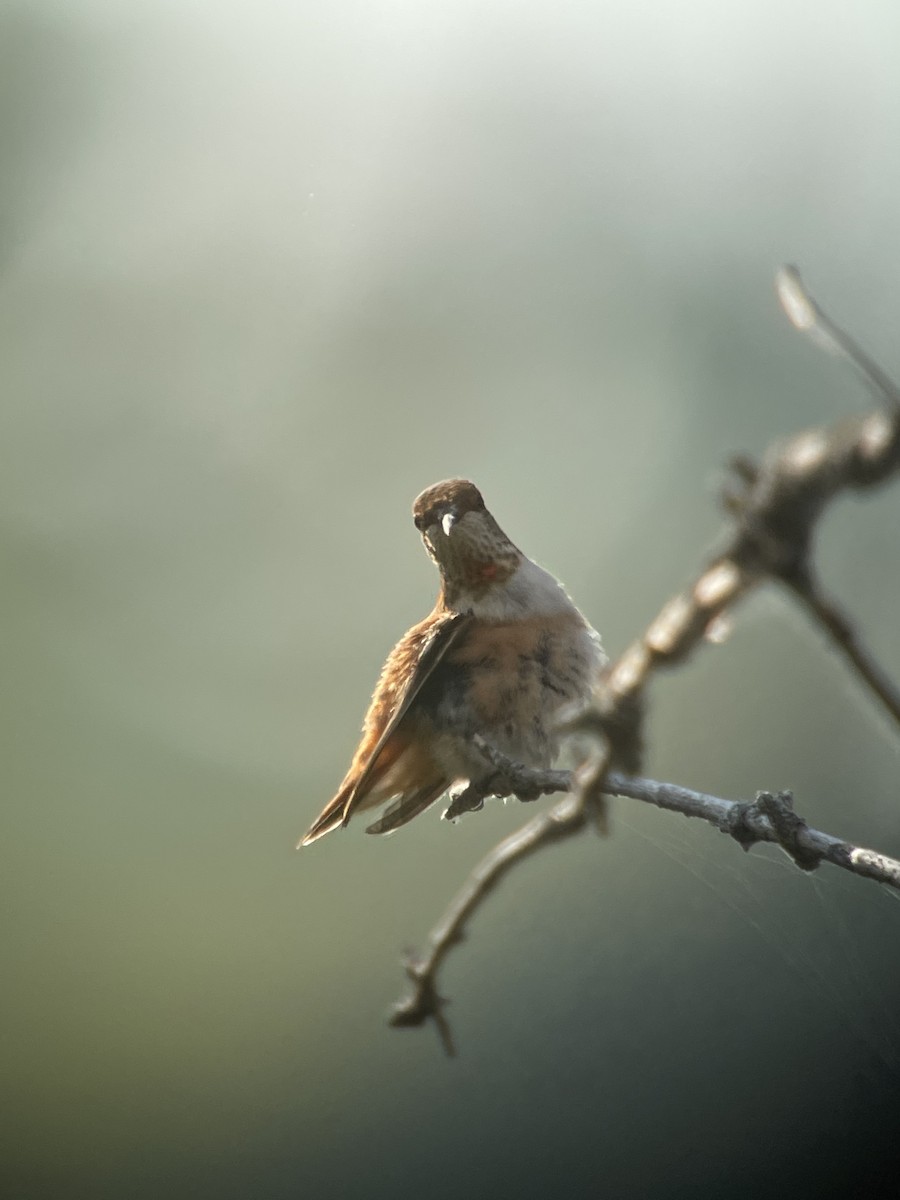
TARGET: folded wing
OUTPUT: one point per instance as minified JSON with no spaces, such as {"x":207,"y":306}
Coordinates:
{"x":390,"y":762}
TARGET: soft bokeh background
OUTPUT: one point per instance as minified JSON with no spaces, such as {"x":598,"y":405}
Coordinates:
{"x":267,"y":270}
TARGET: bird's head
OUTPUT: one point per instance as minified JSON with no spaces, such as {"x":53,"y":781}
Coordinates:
{"x":471,"y":551}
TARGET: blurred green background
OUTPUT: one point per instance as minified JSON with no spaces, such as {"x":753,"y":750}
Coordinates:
{"x":267,"y":271}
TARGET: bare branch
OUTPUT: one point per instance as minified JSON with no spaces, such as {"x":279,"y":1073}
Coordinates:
{"x":774,"y":508}
{"x":769,"y":818}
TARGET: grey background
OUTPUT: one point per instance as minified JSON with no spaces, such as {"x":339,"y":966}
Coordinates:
{"x":267,"y":271}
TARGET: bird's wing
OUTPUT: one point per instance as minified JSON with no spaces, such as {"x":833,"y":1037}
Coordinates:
{"x":429,"y":653}
{"x":413,"y":659}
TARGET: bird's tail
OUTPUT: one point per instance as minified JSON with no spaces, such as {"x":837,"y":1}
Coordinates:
{"x":406,"y":807}
{"x":331,"y":817}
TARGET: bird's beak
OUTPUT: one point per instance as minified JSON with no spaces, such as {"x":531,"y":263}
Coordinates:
{"x":448,"y":520}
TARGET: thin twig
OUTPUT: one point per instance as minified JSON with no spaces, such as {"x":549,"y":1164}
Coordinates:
{"x":565,"y":818}
{"x":805,"y":314}
{"x":847,"y":640}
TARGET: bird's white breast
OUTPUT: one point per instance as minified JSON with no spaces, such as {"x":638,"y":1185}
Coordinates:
{"x":529,"y":592}
{"x":531,"y":654}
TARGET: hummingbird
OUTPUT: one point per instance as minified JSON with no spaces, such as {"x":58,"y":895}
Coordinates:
{"x":502,"y":652}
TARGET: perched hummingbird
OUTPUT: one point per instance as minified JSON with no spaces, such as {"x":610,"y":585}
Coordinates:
{"x":503,"y":651}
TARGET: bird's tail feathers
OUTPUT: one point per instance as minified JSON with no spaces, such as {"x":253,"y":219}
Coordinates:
{"x":331,"y":817}
{"x":407,"y":806}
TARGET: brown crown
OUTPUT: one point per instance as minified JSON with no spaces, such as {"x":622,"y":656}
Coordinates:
{"x":458,"y":496}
